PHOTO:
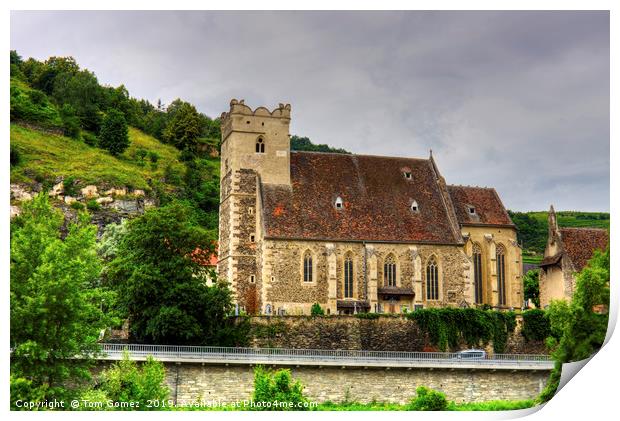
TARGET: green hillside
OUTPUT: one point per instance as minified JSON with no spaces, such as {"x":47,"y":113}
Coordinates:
{"x":45,"y":157}
{"x":532,"y":228}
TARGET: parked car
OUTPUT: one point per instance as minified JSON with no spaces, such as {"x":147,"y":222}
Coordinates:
{"x":471,"y":354}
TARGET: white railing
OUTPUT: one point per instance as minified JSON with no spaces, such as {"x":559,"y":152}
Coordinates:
{"x":249,"y":355}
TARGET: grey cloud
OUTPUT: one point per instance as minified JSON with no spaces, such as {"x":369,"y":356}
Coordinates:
{"x":515,"y":100}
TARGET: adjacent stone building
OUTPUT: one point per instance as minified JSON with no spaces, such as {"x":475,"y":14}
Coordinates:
{"x":353,"y":232}
{"x":567,"y":252}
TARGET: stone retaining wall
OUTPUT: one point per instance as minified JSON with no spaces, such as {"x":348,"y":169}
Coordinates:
{"x":350,"y":332}
{"x":235,"y":383}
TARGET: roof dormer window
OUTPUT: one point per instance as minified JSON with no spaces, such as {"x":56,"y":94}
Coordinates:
{"x":471,"y":210}
{"x":338,"y":204}
{"x":407,"y":175}
{"x":415,"y":207}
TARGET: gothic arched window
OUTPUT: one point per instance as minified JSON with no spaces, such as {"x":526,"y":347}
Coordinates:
{"x":307,"y":266}
{"x":432,"y":279}
{"x":260,"y":145}
{"x":348,"y":276}
{"x":501,"y":273}
{"x":389,"y":271}
{"x":477,"y":258}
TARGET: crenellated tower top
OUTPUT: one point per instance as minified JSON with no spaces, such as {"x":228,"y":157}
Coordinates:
{"x":257,"y":140}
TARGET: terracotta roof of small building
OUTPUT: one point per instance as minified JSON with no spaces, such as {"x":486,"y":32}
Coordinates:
{"x":376,"y":196}
{"x":489,"y":209}
{"x":579,"y":244}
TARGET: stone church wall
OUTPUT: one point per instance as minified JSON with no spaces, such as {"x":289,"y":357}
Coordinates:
{"x":286,"y":290}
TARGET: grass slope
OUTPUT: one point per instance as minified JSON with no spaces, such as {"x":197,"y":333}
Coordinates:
{"x":575,"y":219}
{"x":44,"y":157}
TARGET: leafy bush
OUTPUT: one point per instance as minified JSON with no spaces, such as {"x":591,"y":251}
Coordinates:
{"x":23,"y":390}
{"x":114,"y":134}
{"x":368,"y":316}
{"x":535,"y":325}
{"x":77,"y":205}
{"x":153,"y":157}
{"x":125,"y":381}
{"x":69,"y":187}
{"x":428,"y":400}
{"x":70,"y":122}
{"x":271,"y":387}
{"x":140,"y":154}
{"x":92,"y":205}
{"x":33,"y":106}
{"x":316,"y":310}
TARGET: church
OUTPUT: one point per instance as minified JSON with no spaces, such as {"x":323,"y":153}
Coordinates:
{"x":567,"y":252}
{"x":353,"y":233}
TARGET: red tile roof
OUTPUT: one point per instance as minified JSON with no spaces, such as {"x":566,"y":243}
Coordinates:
{"x":579,"y":244}
{"x":376,"y":197}
{"x":489,"y":209}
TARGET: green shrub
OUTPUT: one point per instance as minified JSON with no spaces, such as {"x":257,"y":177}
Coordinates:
{"x":316,"y":310}
{"x":270,"y":387}
{"x":33,"y":106}
{"x":153,"y":157}
{"x":23,"y":390}
{"x":70,"y":122}
{"x":92,"y":205}
{"x":140,"y":154}
{"x":428,"y":400}
{"x":77,"y":205}
{"x":125,"y":381}
{"x":90,"y":139}
{"x":15,"y":156}
{"x":69,"y":187}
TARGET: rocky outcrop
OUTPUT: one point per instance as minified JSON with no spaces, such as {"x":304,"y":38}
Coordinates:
{"x":116,"y":203}
{"x":57,"y":189}
{"x":19,"y":193}
{"x":89,"y":192}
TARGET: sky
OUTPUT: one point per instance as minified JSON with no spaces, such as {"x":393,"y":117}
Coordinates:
{"x":518,"y":101}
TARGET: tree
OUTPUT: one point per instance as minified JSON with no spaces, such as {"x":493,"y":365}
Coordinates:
{"x":304,"y":144}
{"x":55,"y":298}
{"x":583,"y":321}
{"x":530,"y":287}
{"x":316,"y":310}
{"x":82,"y":92}
{"x":155,"y":276}
{"x":183,"y":127}
{"x":114,"y":133}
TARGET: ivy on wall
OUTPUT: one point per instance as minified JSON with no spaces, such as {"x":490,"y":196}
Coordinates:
{"x":535,"y":325}
{"x":446,"y":327}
